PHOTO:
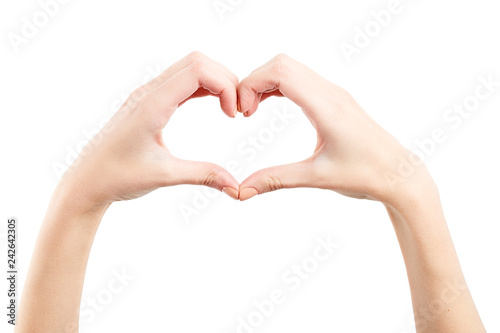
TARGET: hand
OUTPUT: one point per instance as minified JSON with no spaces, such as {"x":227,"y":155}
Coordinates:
{"x":128,"y":158}
{"x":354,"y":156}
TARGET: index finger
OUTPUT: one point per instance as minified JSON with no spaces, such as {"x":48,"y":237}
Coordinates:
{"x":188,"y":81}
{"x":283,"y":76}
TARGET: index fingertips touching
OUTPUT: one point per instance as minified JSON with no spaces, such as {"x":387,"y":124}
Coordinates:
{"x":228,"y":102}
{"x":253,"y":107}
{"x":246,"y":98}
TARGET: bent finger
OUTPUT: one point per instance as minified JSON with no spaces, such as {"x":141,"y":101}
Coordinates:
{"x":276,"y":178}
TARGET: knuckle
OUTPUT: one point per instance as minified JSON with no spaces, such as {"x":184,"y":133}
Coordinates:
{"x":136,"y":98}
{"x":210,"y":179}
{"x":281,"y":57}
{"x":341,"y":99}
{"x":274,"y":183}
{"x":234,"y":78}
{"x":280,"y":65}
{"x":147,"y":100}
{"x":344,"y":95}
{"x":198,"y":67}
{"x":195,"y":55}
{"x":138,"y":94}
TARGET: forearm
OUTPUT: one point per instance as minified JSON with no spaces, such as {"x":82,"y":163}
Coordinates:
{"x":52,"y":292}
{"x":114,"y":166}
{"x":441,"y":300}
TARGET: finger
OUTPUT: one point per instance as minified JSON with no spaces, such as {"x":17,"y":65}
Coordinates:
{"x":198,"y":56}
{"x":193,"y":57}
{"x":261,"y":97}
{"x":293,"y":80}
{"x":254,"y":106}
{"x":264,"y":65}
{"x":164,"y":76}
{"x":201,"y":92}
{"x":205,"y":173}
{"x":187,"y":82}
{"x":276,"y":93}
{"x":276,"y":178}
{"x":185,"y":62}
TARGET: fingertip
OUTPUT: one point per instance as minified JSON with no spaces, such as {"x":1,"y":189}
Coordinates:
{"x":247,"y":193}
{"x":231,"y":192}
{"x":228,"y":105}
{"x":253,"y":108}
{"x":233,"y":113}
{"x":245,"y":99}
{"x":225,"y":180}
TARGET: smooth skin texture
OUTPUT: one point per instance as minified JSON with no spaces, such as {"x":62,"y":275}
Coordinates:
{"x":125,"y":161}
{"x":354,"y":156}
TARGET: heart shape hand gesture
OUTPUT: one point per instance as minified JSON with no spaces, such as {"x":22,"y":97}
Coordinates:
{"x":354,"y":156}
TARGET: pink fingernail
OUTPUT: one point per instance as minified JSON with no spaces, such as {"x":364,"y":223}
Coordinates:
{"x":247,"y":193}
{"x":230,"y":192}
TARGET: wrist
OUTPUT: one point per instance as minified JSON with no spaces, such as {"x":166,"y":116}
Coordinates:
{"x":409,"y":186}
{"x":417,"y":211}
{"x":70,"y":202}
{"x":415,"y":196}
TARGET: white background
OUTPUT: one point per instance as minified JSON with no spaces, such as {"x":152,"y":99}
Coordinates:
{"x":203,"y":275}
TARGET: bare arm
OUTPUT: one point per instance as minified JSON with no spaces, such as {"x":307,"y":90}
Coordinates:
{"x":355,"y":157}
{"x":126,"y":160}
{"x":53,"y":290}
{"x":441,"y":300}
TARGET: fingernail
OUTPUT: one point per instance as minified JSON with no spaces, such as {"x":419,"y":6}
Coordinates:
{"x":245,"y":114}
{"x":247,"y":193}
{"x":231,"y":192}
{"x":235,"y":112}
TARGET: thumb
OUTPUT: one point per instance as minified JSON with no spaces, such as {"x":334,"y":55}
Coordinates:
{"x":207,"y":174}
{"x":276,"y":178}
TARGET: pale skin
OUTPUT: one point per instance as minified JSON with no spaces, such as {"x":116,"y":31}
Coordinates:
{"x":354,"y":156}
